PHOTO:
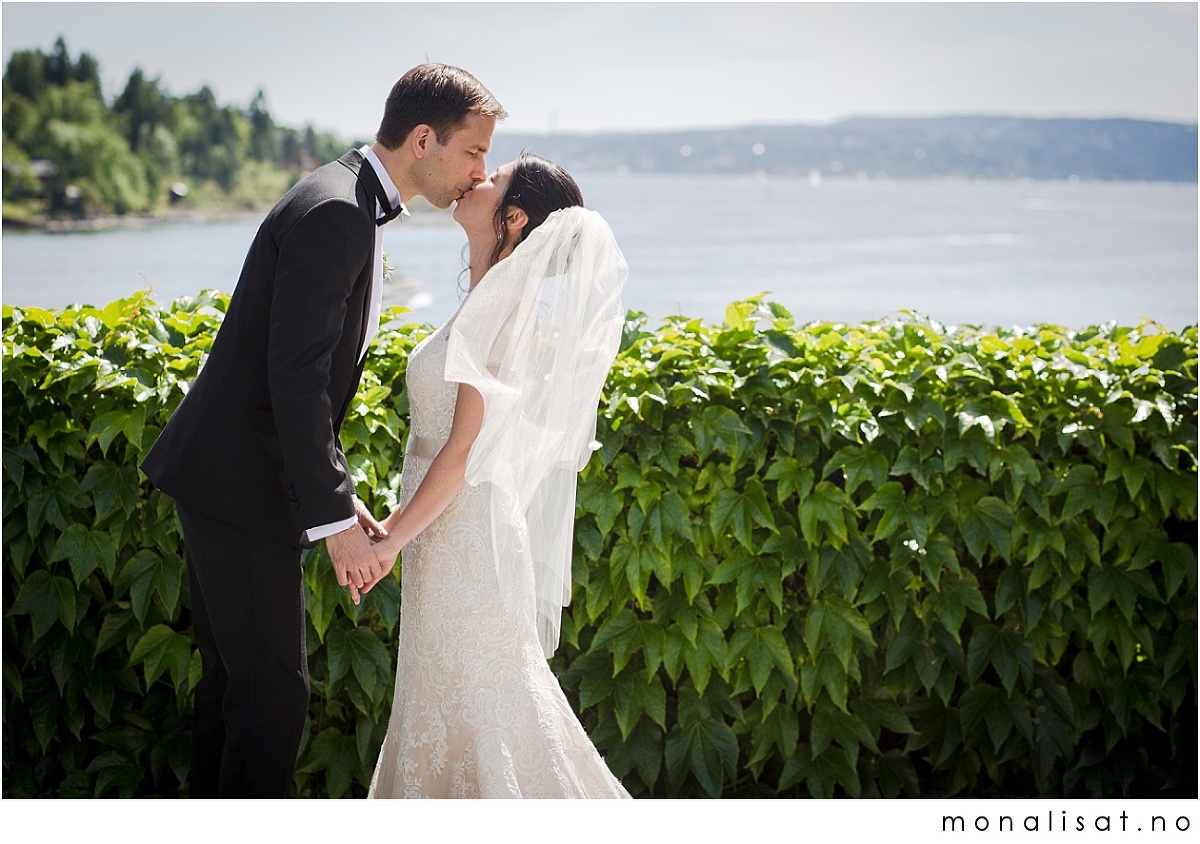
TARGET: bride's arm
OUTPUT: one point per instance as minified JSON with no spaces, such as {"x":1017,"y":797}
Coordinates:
{"x":440,"y":484}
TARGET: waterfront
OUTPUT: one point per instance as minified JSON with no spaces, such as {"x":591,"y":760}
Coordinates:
{"x":984,"y":252}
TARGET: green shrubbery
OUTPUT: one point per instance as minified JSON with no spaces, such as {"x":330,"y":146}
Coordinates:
{"x":886,"y":559}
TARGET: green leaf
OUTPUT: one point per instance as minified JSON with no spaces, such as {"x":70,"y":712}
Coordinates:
{"x":614,"y":627}
{"x":146,"y":574}
{"x":989,"y":522}
{"x":114,"y":488}
{"x":337,"y":655}
{"x":114,"y":769}
{"x":833,"y":620}
{"x":719,"y":429}
{"x":979,"y":651}
{"x":1012,"y":656}
{"x":827,"y":506}
{"x":638,"y":694}
{"x":792,"y":477}
{"x":711,"y":652}
{"x":115,"y":627}
{"x":890,"y":498}
{"x":707,"y":750}
{"x":38,"y":598}
{"x":128,"y":421}
{"x":594,"y":687}
{"x":954,"y":597}
{"x":667,"y":522}
{"x":936,"y":557}
{"x":1082,"y":487}
{"x":85,"y":550}
{"x":1010,"y":588}
{"x":677,"y":646}
{"x":824,"y":672}
{"x":976,"y":703}
{"x":768,"y":651}
{"x":368,"y":660}
{"x":161,"y":649}
{"x":903,"y":646}
{"x":687,"y":563}
{"x":335,"y":754}
{"x":859,"y":464}
{"x":876,"y":713}
{"x":848,"y":729}
{"x":741,"y":510}
{"x":601,"y":500}
{"x":65,"y":599}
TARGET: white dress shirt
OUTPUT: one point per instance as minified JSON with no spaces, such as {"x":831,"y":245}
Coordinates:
{"x":393,"y":195}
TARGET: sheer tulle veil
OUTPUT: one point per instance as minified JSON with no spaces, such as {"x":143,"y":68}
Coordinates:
{"x":537,"y":337}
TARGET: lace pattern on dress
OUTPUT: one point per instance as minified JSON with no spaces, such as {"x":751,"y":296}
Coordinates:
{"x":476,"y":710}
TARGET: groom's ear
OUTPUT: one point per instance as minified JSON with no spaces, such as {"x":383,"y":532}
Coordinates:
{"x":422,"y":140}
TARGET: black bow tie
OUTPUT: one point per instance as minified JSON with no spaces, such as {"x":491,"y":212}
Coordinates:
{"x":367,"y":174}
{"x":388,"y":214}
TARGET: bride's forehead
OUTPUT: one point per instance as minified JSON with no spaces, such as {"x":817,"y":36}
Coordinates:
{"x":503,"y":173}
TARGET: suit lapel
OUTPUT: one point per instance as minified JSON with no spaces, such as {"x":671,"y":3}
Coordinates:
{"x":358,"y":163}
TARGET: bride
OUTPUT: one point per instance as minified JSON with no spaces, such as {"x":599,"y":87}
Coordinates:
{"x":503,"y":404}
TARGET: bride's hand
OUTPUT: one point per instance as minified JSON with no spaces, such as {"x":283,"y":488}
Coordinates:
{"x":374,"y":531}
{"x":387,"y":551}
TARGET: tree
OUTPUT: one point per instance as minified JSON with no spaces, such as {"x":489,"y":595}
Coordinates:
{"x":25,"y":75}
{"x":87,"y":70}
{"x":264,"y":142}
{"x":123,"y":157}
{"x":142,"y":106}
{"x":76,"y":134}
{"x":58,"y":64}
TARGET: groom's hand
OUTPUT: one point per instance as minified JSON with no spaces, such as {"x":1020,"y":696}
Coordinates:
{"x":387,"y":551}
{"x":354,"y":561}
{"x":373,"y":529}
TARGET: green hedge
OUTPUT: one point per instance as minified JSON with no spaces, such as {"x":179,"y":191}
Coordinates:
{"x":875,"y":560}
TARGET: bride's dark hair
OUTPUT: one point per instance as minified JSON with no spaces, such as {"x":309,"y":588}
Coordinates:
{"x":538,"y":187}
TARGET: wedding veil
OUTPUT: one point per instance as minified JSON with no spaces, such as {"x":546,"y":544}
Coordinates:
{"x":537,"y":337}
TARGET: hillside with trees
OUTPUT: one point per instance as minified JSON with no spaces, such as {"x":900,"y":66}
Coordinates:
{"x":889,"y":148}
{"x":70,"y":152}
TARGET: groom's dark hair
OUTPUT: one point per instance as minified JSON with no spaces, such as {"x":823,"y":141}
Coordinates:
{"x":438,"y":95}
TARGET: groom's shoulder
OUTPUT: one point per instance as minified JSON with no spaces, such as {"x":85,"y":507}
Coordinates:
{"x":335,"y":181}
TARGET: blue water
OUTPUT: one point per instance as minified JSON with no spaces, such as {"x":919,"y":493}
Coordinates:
{"x":990,"y":253}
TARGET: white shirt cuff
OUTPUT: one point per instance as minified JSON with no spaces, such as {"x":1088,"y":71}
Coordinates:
{"x":315,"y":533}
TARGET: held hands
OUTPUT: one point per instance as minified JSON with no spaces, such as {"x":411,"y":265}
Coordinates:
{"x":387,"y":550}
{"x":354,"y":560}
{"x":366,"y":521}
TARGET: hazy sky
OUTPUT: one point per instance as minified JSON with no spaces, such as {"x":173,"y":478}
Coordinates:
{"x":634,"y":66}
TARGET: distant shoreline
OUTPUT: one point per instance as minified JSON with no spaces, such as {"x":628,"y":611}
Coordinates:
{"x":425,"y":214}
{"x":114,"y":222}
{"x":110,"y":222}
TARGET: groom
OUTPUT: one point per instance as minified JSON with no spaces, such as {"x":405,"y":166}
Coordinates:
{"x":251,"y":455}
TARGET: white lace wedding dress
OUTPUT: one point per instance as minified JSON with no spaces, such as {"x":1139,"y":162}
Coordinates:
{"x":477,"y":711}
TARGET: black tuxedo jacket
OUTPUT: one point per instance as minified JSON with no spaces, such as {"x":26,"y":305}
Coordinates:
{"x":255,"y":441}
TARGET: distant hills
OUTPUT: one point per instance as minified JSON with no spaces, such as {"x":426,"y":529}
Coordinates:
{"x":900,"y":148}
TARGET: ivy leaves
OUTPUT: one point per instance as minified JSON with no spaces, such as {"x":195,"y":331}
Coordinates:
{"x":871,"y":560}
{"x":96,"y":652}
{"x":898,"y":539}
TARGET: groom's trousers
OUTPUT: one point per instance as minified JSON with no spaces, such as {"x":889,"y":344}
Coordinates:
{"x":247,"y":604}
